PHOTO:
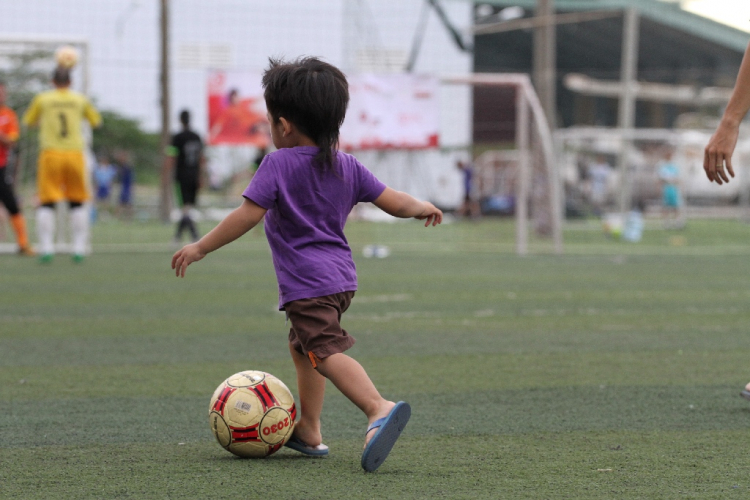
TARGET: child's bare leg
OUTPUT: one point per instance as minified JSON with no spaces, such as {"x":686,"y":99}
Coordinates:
{"x":352,"y":380}
{"x":311,"y":386}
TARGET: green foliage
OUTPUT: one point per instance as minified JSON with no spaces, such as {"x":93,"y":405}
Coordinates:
{"x":25,"y":74}
{"x":120,"y":133}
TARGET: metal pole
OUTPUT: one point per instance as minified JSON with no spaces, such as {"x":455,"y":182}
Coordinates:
{"x":416,"y":44}
{"x":545,"y":60}
{"x":522,"y":187}
{"x":626,"y":115}
{"x":165,"y":199}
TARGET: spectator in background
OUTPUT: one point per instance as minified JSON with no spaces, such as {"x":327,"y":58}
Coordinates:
{"x":126,"y":177}
{"x":470,"y":205}
{"x":599,"y":173}
{"x":104,"y":176}
{"x":669,"y":176}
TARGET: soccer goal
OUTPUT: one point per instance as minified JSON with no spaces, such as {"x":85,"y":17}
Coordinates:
{"x":522,"y":170}
{"x":528,"y":172}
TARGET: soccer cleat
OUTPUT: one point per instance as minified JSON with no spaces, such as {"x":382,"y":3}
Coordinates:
{"x":27,"y":251}
{"x":46,"y":258}
{"x":77,"y":258}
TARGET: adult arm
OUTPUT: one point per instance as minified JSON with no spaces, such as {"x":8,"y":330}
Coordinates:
{"x":32,"y":115}
{"x":92,"y":115}
{"x":720,"y":148}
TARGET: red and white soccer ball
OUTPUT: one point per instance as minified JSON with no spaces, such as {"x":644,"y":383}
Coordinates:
{"x":66,"y":56}
{"x":252,"y":414}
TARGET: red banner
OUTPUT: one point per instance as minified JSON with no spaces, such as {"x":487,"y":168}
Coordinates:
{"x":236,"y":109}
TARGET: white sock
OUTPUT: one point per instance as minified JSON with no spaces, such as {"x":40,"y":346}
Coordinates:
{"x":79,"y":225}
{"x":45,"y":230}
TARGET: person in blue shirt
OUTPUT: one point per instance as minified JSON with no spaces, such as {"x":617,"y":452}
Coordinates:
{"x":126,"y":177}
{"x":104,"y":176}
{"x":669,"y":176}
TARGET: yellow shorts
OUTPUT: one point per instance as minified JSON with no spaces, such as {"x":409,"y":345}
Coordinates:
{"x":62,"y":176}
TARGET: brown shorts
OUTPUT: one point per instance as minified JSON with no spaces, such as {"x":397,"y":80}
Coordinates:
{"x":316,"y":325}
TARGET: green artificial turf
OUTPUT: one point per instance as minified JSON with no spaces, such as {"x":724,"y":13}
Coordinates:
{"x":611,"y":371}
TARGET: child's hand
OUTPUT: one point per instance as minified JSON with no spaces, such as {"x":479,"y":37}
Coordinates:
{"x":431,"y":213}
{"x":186,"y":256}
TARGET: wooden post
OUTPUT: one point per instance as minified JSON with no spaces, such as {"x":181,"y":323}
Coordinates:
{"x":626,"y":114}
{"x":545,"y":59}
{"x":165,"y":199}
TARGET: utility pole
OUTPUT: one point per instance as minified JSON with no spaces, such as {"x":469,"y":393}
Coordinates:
{"x":545,"y":60}
{"x":165,"y":198}
{"x":626,"y":114}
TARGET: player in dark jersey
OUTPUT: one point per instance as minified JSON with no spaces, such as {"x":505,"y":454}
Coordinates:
{"x":185,"y":158}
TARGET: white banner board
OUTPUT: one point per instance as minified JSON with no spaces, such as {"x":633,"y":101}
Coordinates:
{"x":391,"y":111}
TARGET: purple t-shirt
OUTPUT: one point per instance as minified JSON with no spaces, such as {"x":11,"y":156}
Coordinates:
{"x":307,"y":210}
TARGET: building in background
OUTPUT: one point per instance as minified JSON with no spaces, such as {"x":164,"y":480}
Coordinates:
{"x":675,"y":47}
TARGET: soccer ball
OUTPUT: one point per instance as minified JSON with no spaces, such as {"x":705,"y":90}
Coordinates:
{"x":252,"y":414}
{"x":66,"y":56}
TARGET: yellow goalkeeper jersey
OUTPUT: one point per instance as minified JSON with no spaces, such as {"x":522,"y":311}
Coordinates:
{"x":59,"y":114}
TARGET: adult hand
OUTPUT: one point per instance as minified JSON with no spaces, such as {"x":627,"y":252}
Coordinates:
{"x":718,"y":153}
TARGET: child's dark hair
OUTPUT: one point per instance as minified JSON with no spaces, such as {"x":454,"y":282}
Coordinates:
{"x":311,"y":94}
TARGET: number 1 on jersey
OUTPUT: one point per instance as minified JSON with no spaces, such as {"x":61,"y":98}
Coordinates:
{"x":63,"y":125}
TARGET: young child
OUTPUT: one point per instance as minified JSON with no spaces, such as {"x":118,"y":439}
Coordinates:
{"x":305,"y":191}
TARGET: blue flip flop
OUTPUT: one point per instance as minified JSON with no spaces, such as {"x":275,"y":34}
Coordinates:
{"x":314,"y":451}
{"x":380,"y":445}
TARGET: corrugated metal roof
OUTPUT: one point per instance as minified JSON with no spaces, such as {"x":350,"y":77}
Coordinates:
{"x":669,"y":14}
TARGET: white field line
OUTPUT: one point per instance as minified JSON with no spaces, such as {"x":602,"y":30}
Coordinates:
{"x":610,"y":249}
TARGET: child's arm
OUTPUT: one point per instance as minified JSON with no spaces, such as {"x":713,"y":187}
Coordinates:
{"x":403,"y":205}
{"x":241,"y":220}
{"x":720,"y":148}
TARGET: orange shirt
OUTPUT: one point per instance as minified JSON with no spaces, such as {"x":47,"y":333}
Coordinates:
{"x":9,"y":127}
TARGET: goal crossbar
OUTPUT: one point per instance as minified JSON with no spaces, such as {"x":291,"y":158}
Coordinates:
{"x":528,"y":107}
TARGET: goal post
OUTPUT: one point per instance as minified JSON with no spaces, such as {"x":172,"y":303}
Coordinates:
{"x":533,"y":138}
